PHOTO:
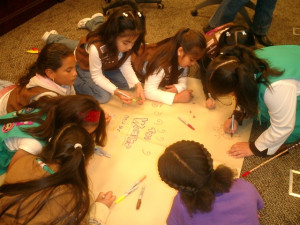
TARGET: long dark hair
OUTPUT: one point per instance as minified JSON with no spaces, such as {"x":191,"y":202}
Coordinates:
{"x":50,"y":57}
{"x":188,"y":167}
{"x":124,"y":21}
{"x":165,"y":55}
{"x":70,"y":148}
{"x":59,"y":111}
{"x":237,"y":70}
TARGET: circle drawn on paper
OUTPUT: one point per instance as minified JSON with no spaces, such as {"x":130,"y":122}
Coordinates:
{"x":158,"y":122}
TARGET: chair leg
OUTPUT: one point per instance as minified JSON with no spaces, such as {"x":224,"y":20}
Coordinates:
{"x":203,"y":4}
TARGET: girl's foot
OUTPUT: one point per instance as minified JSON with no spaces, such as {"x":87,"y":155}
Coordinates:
{"x":47,"y":34}
{"x":81,"y":23}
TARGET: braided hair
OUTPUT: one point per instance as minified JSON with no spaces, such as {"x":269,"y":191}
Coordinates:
{"x":188,"y":167}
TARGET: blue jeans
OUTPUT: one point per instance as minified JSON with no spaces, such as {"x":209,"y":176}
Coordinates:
{"x":90,"y":25}
{"x":229,"y":8}
{"x":58,"y":38}
{"x":85,"y":85}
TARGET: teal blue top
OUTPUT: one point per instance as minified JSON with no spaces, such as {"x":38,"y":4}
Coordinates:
{"x":13,"y":130}
{"x":284,"y":58}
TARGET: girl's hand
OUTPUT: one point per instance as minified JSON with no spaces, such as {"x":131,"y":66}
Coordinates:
{"x":124,"y":96}
{"x":240,"y":150}
{"x":227,"y":126}
{"x":171,"y":88}
{"x":106,"y":198}
{"x":107,"y":118}
{"x":184,"y":96}
{"x":140,"y":97}
{"x":210,"y":103}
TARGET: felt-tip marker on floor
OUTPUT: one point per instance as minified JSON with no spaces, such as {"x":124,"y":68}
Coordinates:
{"x":186,"y":123}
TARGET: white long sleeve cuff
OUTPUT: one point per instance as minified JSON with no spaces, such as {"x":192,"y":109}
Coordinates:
{"x":152,"y":91}
{"x":98,"y":213}
{"x":281,"y":101}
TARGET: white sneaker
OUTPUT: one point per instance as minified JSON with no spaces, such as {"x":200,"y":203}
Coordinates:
{"x":81,"y":23}
{"x":96,"y":15}
{"x":47,"y":34}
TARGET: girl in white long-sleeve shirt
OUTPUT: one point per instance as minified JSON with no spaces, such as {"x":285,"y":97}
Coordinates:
{"x":266,"y":84}
{"x":165,"y":65}
{"x":104,"y":57}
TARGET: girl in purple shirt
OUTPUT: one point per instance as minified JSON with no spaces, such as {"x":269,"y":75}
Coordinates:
{"x":206,"y":195}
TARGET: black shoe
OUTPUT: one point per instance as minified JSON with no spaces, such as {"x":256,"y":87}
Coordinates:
{"x":263,"y":40}
{"x":207,"y":28}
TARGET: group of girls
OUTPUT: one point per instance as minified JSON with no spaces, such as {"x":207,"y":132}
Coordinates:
{"x":44,"y":150}
{"x":114,"y":58}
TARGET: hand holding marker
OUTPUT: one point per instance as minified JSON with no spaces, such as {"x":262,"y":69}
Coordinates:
{"x":127,"y":96}
{"x":133,"y":188}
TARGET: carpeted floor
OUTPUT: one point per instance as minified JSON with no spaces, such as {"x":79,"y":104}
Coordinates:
{"x":272,"y":179}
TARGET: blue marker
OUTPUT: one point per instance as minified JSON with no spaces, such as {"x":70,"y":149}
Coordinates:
{"x":101,"y":152}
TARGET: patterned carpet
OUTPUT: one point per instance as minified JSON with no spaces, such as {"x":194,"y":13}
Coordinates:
{"x":272,"y":179}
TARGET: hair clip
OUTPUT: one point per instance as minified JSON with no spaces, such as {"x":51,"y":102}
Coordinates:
{"x":125,"y":14}
{"x":228,"y":34}
{"x":139,"y":14}
{"x":77,"y":145}
{"x":49,"y":139}
{"x":91,"y":116}
{"x":244,"y":33}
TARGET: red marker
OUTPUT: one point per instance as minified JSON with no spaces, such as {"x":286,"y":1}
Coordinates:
{"x":189,"y":125}
{"x":276,"y":156}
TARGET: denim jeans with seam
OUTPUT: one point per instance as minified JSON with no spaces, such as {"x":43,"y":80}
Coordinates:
{"x":85,"y":85}
{"x":262,"y":19}
{"x":90,"y":25}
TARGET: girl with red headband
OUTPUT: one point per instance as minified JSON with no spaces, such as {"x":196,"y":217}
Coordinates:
{"x":53,"y":189}
{"x":28,"y":130}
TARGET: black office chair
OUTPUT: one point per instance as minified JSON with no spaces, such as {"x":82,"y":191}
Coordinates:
{"x":118,"y":3}
{"x":242,"y":11}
